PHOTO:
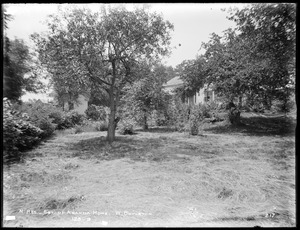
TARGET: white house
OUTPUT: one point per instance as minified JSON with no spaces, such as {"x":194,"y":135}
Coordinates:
{"x":203,"y":96}
{"x":79,"y":106}
{"x":67,"y":104}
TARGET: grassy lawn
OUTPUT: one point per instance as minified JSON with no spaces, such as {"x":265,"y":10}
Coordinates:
{"x":227,"y":176}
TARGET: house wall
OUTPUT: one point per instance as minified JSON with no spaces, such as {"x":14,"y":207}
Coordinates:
{"x":198,"y":98}
{"x":80,"y":106}
{"x":169,"y":89}
{"x":191,"y":100}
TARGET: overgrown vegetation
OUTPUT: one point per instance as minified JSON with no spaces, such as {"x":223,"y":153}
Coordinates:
{"x":97,"y":113}
{"x":233,"y":172}
{"x":189,"y":118}
{"x":26,"y":125}
{"x":18,"y":133}
{"x":107,"y":59}
{"x":236,"y":176}
{"x":253,"y":65}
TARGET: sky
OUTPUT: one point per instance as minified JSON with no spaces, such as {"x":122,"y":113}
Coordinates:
{"x":193,"y":24}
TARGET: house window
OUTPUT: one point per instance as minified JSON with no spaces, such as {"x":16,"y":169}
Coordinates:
{"x":209,"y":95}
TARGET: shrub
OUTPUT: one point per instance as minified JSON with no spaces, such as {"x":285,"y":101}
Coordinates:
{"x":208,"y":109}
{"x":186,"y":117}
{"x":283,"y":106}
{"x":47,"y":126}
{"x":57,"y":118}
{"x":70,"y":119}
{"x":96,"y":113}
{"x":161,"y":121}
{"x":194,"y":128}
{"x":196,"y":116}
{"x":78,"y":129}
{"x":126,"y":126}
{"x":39,"y":115}
{"x":101,"y":126}
{"x":48,"y":117}
{"x":66,"y":122}
{"x":178,"y":114}
{"x":234,"y":116}
{"x":74,"y":117}
{"x":29,"y":137}
{"x":18,"y":133}
{"x":159,"y":118}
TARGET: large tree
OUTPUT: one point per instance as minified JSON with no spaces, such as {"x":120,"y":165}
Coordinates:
{"x":271,"y":31}
{"x":20,"y":73}
{"x":257,"y":60}
{"x":102,"y":48}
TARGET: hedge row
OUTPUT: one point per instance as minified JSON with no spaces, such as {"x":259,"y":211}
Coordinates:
{"x":27,"y":125}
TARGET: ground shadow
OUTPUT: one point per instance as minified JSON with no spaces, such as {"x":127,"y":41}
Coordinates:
{"x":161,"y":129}
{"x":258,"y":126}
{"x":136,"y":149}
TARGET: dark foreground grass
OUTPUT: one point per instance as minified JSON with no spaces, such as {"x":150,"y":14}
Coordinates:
{"x":224,"y":177}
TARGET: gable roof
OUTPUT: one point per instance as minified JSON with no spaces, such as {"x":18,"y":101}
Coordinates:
{"x":174,"y":82}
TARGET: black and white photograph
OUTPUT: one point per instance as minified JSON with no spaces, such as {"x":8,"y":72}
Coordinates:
{"x":149,"y":115}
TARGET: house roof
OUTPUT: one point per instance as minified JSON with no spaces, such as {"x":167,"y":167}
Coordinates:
{"x":176,"y":81}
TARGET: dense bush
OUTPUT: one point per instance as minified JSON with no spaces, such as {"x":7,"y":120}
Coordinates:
{"x":57,"y":118}
{"x":30,"y":136}
{"x":39,"y":115}
{"x":96,"y":113}
{"x":48,"y":117}
{"x":188,"y":117}
{"x":26,"y":125}
{"x":283,"y":106}
{"x":101,"y":126}
{"x":179,"y":115}
{"x":65,"y":120}
{"x":158,"y":118}
{"x":197,"y":114}
{"x":161,"y":121}
{"x":74,"y":118}
{"x":125,"y":126}
{"x":47,"y":126}
{"x":18,"y":133}
{"x":78,"y":129}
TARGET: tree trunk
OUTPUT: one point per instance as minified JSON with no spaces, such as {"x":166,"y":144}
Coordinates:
{"x":111,"y":124}
{"x":234,"y":116}
{"x":111,"y":132}
{"x":240,"y":101}
{"x":145,"y":124}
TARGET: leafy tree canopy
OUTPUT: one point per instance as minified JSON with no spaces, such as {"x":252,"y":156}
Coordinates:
{"x":102,"y":49}
{"x":257,"y":60}
{"x":21,"y":73}
{"x":192,"y":72}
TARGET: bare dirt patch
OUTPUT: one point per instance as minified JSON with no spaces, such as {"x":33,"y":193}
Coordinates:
{"x":153,"y":179}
